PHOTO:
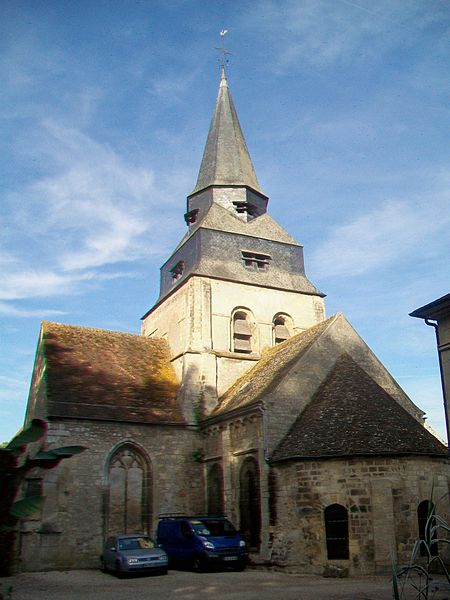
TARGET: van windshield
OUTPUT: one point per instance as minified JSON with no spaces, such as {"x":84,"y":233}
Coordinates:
{"x":213,"y":527}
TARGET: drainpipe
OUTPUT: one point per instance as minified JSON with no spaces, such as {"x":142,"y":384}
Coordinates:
{"x":444,"y":395}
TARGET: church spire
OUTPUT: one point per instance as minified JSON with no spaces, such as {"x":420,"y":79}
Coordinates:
{"x":226,"y":160}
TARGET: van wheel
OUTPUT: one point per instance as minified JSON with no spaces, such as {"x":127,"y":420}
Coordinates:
{"x":198,"y":564}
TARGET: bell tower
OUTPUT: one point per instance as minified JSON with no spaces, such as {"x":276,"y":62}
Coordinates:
{"x":236,"y":282}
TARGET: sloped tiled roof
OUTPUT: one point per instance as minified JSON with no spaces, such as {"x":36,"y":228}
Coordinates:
{"x":269,"y":369}
{"x":351,"y":414}
{"x":107,"y":375}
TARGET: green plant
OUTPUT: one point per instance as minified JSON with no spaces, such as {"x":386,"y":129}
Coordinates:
{"x":198,"y":455}
{"x":16,"y":461}
{"x":424,"y":561}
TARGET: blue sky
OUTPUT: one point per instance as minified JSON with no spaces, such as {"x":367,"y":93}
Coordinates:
{"x":105,"y":108}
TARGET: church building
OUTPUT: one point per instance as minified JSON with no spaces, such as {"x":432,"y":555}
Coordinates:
{"x":239,"y":397}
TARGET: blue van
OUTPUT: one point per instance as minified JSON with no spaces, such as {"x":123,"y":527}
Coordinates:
{"x":201,"y":542}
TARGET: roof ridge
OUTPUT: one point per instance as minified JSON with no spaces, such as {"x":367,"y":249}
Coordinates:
{"x":363,"y":435}
{"x":46,"y":323}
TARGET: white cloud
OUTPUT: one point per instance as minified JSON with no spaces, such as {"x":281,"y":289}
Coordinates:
{"x":383,"y":236}
{"x":91,"y":210}
{"x":12,"y":311}
{"x":322,"y":32}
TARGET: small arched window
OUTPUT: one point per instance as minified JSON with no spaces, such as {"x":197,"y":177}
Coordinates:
{"x":336,"y":531}
{"x":282,"y":328}
{"x":241,"y":332}
{"x":426,"y":521}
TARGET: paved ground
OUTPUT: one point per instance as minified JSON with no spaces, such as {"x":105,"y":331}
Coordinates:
{"x":253,"y":584}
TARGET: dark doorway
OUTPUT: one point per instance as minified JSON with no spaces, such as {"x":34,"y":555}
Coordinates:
{"x":250,"y":504}
{"x":426,"y":521}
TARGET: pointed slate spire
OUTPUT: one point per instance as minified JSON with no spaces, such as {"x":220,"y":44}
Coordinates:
{"x":226,"y":160}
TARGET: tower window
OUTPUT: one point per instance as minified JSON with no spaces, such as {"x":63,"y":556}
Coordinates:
{"x":242,"y":333}
{"x":191,"y":216}
{"x":282,"y":327}
{"x":257,"y":262}
{"x":177,"y":270}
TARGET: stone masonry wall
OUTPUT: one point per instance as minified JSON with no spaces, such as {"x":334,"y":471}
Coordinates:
{"x":70,"y":530}
{"x":381,"y":496}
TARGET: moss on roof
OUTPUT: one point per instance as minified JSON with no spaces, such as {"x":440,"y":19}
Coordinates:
{"x":99,"y":374}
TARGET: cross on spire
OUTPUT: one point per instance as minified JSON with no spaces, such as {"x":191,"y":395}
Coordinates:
{"x":223,"y":60}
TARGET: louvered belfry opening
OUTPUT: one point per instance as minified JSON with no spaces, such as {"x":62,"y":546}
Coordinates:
{"x":280,"y":330}
{"x":242,"y":333}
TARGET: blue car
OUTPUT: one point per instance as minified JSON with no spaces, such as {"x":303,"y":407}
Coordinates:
{"x":123,"y":554}
{"x":202,"y":542}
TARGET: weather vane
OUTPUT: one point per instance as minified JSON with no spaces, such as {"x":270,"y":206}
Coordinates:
{"x":223,"y":60}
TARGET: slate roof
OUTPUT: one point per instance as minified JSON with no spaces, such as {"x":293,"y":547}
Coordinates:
{"x":107,"y":375}
{"x":226,"y":159}
{"x":263,"y":227}
{"x":267,"y":372}
{"x":350,"y":415}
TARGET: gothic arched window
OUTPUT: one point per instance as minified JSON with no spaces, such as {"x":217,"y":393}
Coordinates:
{"x":282,"y":328}
{"x":249,"y":503}
{"x":241,"y":332}
{"x":336,"y":531}
{"x":128,"y":507}
{"x":215,"y":490}
{"x":426,"y":521}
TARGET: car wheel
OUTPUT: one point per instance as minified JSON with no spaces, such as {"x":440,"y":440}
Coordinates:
{"x":119,"y":573}
{"x":103,"y":566}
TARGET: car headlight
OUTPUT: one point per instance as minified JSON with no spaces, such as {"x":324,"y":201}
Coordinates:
{"x":132,"y":561}
{"x":242,"y":544}
{"x":208,"y":545}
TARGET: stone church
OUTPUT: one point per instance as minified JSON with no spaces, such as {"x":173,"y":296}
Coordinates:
{"x":239,"y":397}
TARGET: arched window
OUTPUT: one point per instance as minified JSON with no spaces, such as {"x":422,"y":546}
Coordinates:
{"x":249,"y":503}
{"x":282,"y":328}
{"x":336,"y":531}
{"x":426,"y":521}
{"x":215,"y":490}
{"x":128,"y":494}
{"x":241,"y":332}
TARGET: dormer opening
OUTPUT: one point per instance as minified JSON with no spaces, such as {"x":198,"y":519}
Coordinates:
{"x":191,"y":216}
{"x":177,"y":271}
{"x":245,"y":208}
{"x":255,"y":261}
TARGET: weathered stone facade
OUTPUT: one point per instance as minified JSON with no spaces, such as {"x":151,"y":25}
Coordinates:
{"x":74,"y":522}
{"x":238,"y":397}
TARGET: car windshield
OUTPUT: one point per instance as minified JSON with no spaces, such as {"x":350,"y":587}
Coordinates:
{"x":213,"y":527}
{"x":135,"y":543}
